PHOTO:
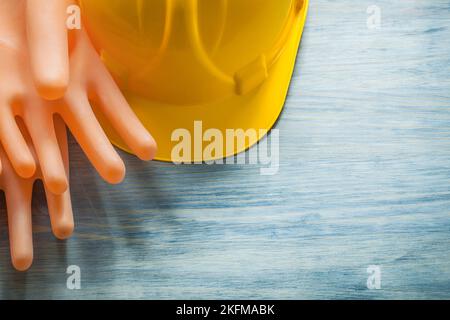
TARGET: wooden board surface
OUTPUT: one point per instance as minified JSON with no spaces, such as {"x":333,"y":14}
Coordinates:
{"x":364,"y":180}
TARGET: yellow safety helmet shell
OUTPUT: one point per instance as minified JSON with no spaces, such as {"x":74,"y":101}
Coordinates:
{"x":227,"y":63}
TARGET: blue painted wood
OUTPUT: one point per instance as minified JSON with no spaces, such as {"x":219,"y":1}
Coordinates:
{"x":364,"y":180}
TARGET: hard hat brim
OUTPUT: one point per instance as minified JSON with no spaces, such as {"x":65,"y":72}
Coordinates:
{"x":257,"y":110}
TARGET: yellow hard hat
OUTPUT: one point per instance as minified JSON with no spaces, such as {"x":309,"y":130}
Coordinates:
{"x":227,"y":63}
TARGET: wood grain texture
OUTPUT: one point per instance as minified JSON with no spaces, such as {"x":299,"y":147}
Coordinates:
{"x":364,"y":179}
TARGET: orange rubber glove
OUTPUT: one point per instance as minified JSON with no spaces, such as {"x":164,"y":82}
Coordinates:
{"x":18,"y":192}
{"x":47,"y":38}
{"x":89,"y":79}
